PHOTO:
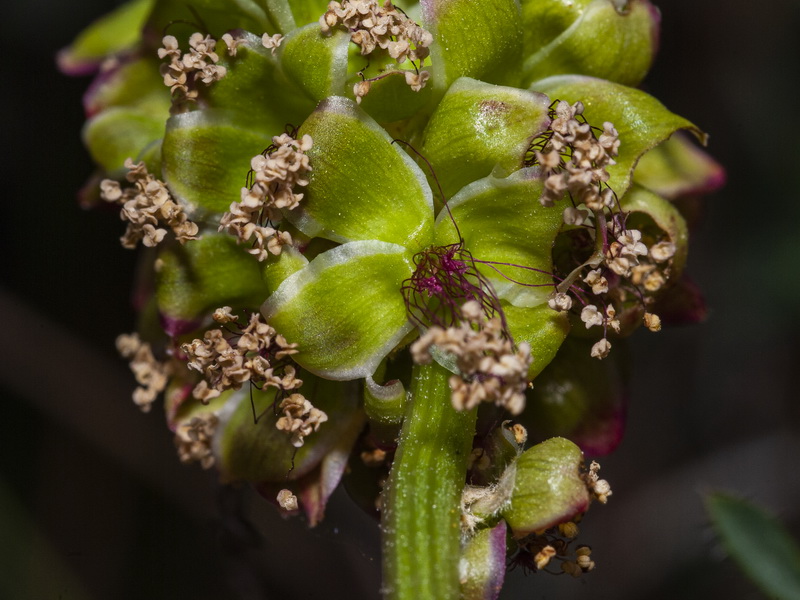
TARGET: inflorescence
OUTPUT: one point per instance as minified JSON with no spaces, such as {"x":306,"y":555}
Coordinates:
{"x":151,"y":375}
{"x":193,"y":439}
{"x":254,"y":354}
{"x":574,"y":161}
{"x":183,"y":71}
{"x":270,"y":187}
{"x":491,"y":370}
{"x":146,"y":205}
{"x":373,"y":25}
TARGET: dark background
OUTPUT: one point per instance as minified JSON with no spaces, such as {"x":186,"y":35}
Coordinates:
{"x":94,"y":504}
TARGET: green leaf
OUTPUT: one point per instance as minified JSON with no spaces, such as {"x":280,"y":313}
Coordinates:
{"x":548,"y":488}
{"x":280,"y":13}
{"x":315,"y":63}
{"x":276,"y":269}
{"x":260,"y":452}
{"x":255,"y":89}
{"x":316,"y":488}
{"x":205,"y":274}
{"x":119,"y":133}
{"x":478,"y":126}
{"x":642,"y":202}
{"x":678,"y":168}
{"x":542,"y":328}
{"x":206,"y":157}
{"x":384,"y":403}
{"x":759,"y":544}
{"x":182,"y":19}
{"x":544,"y":20}
{"x":362,"y":187}
{"x":603,"y":41}
{"x":307,"y":11}
{"x":26,"y":542}
{"x":118,"y":30}
{"x":134,"y":82}
{"x":482,"y":40}
{"x":391,"y":99}
{"x":502,"y":221}
{"x":344,"y":310}
{"x":641,"y":120}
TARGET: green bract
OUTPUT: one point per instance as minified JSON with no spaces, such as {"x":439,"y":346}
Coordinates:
{"x":548,"y":487}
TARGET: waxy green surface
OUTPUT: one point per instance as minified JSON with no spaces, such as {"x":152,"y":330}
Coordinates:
{"x":598,"y":38}
{"x":206,"y":274}
{"x":548,"y":488}
{"x":474,"y":39}
{"x":478,"y":126}
{"x":361,"y":187}
{"x":206,"y":158}
{"x":344,"y":309}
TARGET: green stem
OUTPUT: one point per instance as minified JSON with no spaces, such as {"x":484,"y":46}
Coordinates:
{"x":421,"y":508}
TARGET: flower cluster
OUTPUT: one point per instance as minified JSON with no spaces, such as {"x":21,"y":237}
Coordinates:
{"x":183,"y":70}
{"x":574,"y":161}
{"x":274,"y":175}
{"x":193,"y":440}
{"x":372,"y":26}
{"x":257,"y":354}
{"x":228,"y":362}
{"x":145,"y":205}
{"x":300,"y":418}
{"x":491,"y":370}
{"x":151,"y":374}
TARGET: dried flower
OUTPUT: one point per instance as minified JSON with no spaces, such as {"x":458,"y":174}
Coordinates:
{"x":271,"y":42}
{"x":600,"y":488}
{"x":560,"y":302}
{"x":601,"y":349}
{"x":652,"y":321}
{"x":274,"y":175}
{"x":491,"y":370}
{"x":145,"y":205}
{"x":151,"y":375}
{"x":542,"y":558}
{"x":287,"y":500}
{"x":199,"y":64}
{"x":373,"y":25}
{"x":300,"y":418}
{"x":193,"y":440}
{"x":251,"y":356}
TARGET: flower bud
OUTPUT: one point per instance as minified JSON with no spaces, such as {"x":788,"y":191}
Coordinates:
{"x":548,"y":487}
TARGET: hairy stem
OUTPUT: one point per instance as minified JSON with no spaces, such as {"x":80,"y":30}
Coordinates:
{"x":421,"y":518}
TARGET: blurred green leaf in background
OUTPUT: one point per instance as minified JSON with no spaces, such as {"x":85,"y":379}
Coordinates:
{"x":759,"y":544}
